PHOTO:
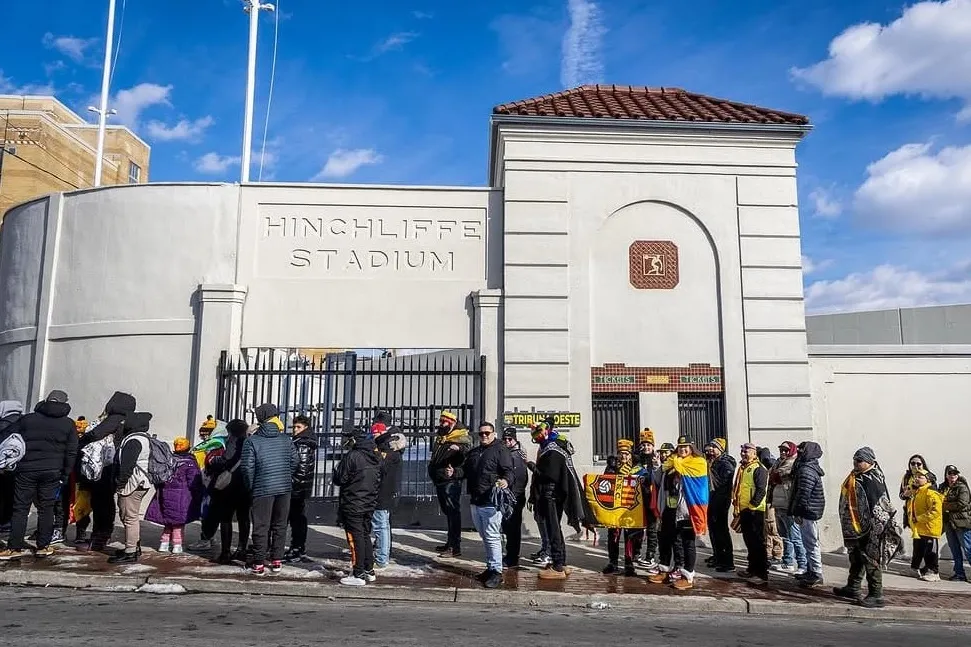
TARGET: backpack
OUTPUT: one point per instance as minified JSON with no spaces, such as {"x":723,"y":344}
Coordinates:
{"x":162,"y":463}
{"x":12,"y":449}
{"x":94,"y":457}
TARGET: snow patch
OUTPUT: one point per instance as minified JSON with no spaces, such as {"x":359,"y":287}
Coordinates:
{"x":64,"y":560}
{"x":214,"y":570}
{"x":162,"y":589}
{"x":400,"y":570}
{"x":135,"y":569}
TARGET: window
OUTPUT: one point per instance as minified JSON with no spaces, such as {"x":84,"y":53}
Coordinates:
{"x":134,"y":173}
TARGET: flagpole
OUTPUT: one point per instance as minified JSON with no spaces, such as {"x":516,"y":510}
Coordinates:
{"x":253,"y":7}
{"x":105,"y":88}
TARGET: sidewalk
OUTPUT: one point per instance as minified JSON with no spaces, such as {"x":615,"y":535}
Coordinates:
{"x":417,"y":573}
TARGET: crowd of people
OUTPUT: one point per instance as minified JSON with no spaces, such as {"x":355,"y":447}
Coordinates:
{"x":260,"y":478}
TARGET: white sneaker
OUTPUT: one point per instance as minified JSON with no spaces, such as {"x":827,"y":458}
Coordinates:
{"x":177,"y":549}
{"x":370,"y":577}
{"x":784,"y":568}
{"x":163,"y":547}
{"x":931,"y":577}
{"x":799,"y":571}
{"x":351,"y":580}
{"x":543,"y":562}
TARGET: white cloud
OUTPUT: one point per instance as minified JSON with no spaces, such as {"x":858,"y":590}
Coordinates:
{"x":824,"y":204}
{"x":810,"y":266}
{"x":423,"y":15}
{"x":132,"y":102}
{"x":394,"y":42}
{"x":8,"y":86}
{"x":890,"y":286}
{"x":215,"y":164}
{"x":343,"y":163}
{"x":74,"y":48}
{"x":927,"y":52}
{"x":184,"y":130}
{"x":914,"y":189}
{"x":582,"y":61}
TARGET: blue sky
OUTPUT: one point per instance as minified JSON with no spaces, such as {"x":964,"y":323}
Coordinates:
{"x":400,"y":91}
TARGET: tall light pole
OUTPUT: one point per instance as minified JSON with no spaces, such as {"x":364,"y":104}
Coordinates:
{"x":105,"y":87}
{"x":253,"y":7}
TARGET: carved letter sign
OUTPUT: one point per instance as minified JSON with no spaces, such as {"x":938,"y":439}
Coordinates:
{"x":653,"y":265}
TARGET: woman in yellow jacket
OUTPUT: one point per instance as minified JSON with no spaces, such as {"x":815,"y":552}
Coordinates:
{"x":925,"y":512}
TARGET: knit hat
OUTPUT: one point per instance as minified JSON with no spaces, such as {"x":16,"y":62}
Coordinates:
{"x":624,"y":445}
{"x":666,"y":447}
{"x":448,"y":415}
{"x":509,"y":432}
{"x":749,"y":446}
{"x":263,"y":412}
{"x":209,"y":424}
{"x":647,"y":436}
{"x":790,"y":447}
{"x":720,"y":443}
{"x":378,"y":428}
{"x":181,"y":444}
{"x":81,"y":425}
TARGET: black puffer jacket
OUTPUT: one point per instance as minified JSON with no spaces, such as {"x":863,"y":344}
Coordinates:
{"x":50,"y":439}
{"x":520,"y":471}
{"x":119,"y":406}
{"x":484,"y":465}
{"x":390,"y":445}
{"x":358,"y":475}
{"x":721,"y":475}
{"x":303,"y":478}
{"x":808,"y":497}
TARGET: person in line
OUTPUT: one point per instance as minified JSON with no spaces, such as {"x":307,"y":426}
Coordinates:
{"x":390,"y":444}
{"x":132,"y":483}
{"x":10,"y":412}
{"x":751,"y":487}
{"x":806,"y":507}
{"x":268,"y":462}
{"x":869,"y":532}
{"x":452,"y":443}
{"x":178,"y":501}
{"x":682,"y":502}
{"x":303,"y":486}
{"x":228,"y":496}
{"x":51,"y":446}
{"x":957,"y":519}
{"x":632,"y":537}
{"x":774,"y":544}
{"x":102,"y":491}
{"x":358,"y":476}
{"x":781,"y":487}
{"x":926,"y":514}
{"x":488,"y":467}
{"x":512,"y":527}
{"x":647,"y":464}
{"x":80,"y":510}
{"x":721,"y":476}
{"x":915,"y":464}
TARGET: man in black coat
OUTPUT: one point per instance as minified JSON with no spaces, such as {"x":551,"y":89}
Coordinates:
{"x":51,"y":448}
{"x":391,"y":442}
{"x":303,"y":485}
{"x":512,"y":527}
{"x":489,"y":467}
{"x":806,"y":507}
{"x":358,"y":476}
{"x":452,"y":443}
{"x":721,"y":477}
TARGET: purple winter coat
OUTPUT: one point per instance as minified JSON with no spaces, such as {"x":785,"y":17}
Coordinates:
{"x":179,"y":501}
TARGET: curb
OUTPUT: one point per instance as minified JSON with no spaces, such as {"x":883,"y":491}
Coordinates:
{"x":599,"y":601}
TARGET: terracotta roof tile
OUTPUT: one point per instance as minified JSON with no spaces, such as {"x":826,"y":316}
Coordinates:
{"x":637,"y":102}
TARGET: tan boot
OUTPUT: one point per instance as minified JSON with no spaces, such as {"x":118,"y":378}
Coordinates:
{"x":552,"y":574}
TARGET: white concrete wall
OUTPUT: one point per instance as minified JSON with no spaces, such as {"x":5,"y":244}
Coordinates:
{"x":694,"y":187}
{"x":899,"y":400}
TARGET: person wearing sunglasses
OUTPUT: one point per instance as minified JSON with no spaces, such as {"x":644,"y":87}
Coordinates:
{"x":489,"y":467}
{"x":908,"y":485}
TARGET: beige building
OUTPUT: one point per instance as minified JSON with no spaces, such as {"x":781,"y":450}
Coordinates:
{"x":49,"y":148}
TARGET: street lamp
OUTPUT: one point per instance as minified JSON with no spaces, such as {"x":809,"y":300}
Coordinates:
{"x":253,"y":8}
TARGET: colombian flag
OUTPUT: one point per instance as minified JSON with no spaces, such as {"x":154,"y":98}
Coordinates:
{"x":694,"y":486}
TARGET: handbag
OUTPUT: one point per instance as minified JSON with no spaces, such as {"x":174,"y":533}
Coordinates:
{"x":225,"y":478}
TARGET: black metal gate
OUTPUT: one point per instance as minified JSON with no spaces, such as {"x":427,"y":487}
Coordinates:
{"x":615,"y":416}
{"x":701,"y":417}
{"x":344,"y":390}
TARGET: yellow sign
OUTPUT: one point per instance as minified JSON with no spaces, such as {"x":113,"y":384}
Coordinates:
{"x":657,"y":379}
{"x":529,"y":418}
{"x":617,"y":501}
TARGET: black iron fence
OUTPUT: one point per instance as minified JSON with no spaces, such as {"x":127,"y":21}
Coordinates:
{"x":344,"y":390}
{"x":615,"y":416}
{"x":702,"y":417}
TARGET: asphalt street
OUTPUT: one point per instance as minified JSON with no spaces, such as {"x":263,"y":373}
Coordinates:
{"x":49,"y":617}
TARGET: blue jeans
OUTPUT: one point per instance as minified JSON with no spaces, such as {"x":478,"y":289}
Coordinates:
{"x":794,"y":552}
{"x":381,"y":525}
{"x":959,"y":541}
{"x":488,"y":521}
{"x":810,"y":540}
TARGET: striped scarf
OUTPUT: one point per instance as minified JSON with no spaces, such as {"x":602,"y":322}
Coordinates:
{"x":848,"y":491}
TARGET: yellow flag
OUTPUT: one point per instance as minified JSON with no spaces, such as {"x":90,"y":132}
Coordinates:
{"x":617,"y":501}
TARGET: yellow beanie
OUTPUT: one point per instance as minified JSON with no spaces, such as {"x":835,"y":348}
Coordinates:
{"x":210,"y":423}
{"x":448,"y":415}
{"x":647,"y":436}
{"x":181,"y":444}
{"x":624,"y":445}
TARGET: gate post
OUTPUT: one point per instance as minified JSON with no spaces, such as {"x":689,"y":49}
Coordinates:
{"x":488,"y":316}
{"x":219,"y":327}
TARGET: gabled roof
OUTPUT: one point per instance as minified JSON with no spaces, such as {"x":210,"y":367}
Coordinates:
{"x":643,"y":103}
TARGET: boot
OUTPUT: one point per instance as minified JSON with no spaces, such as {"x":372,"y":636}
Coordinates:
{"x":846,"y":593}
{"x":871,"y":602}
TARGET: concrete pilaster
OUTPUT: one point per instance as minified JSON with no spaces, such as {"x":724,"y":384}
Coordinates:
{"x":488,"y":342}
